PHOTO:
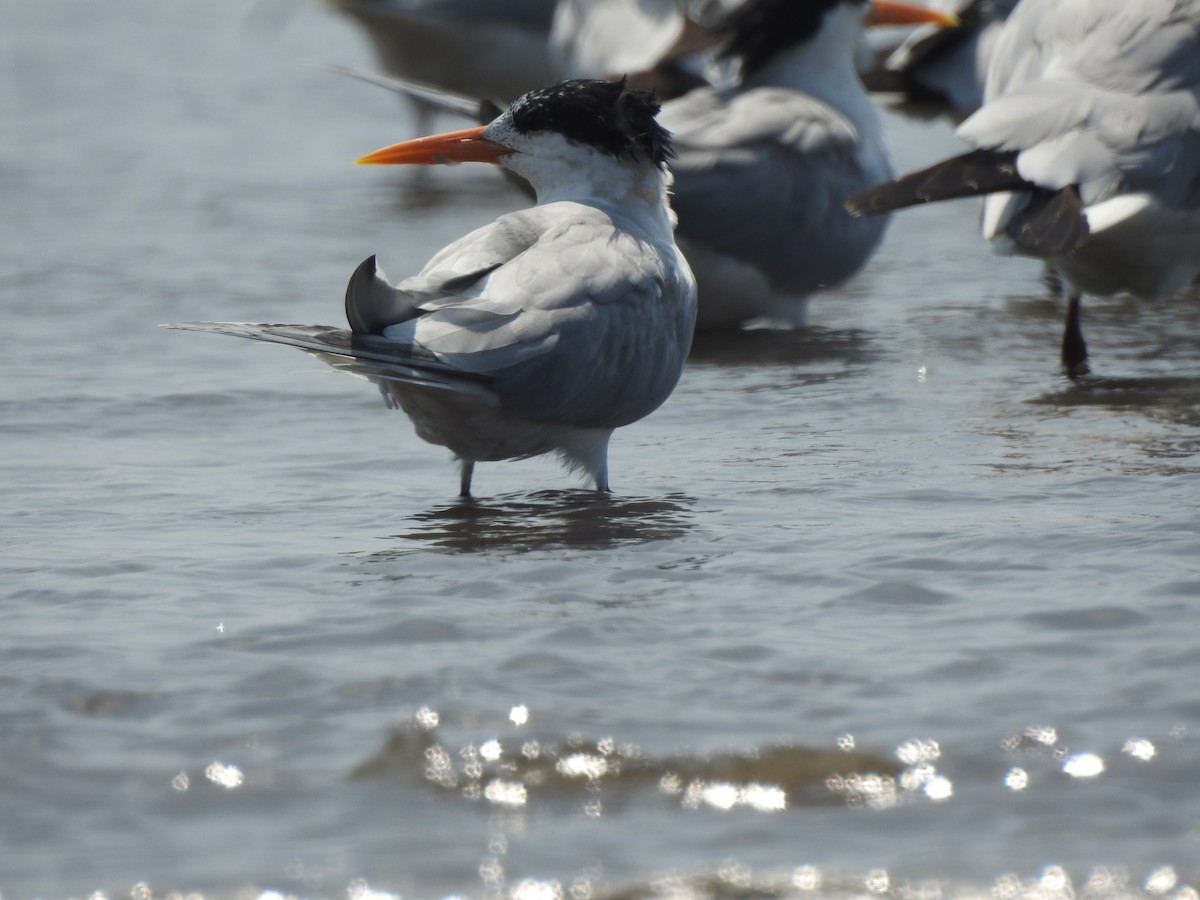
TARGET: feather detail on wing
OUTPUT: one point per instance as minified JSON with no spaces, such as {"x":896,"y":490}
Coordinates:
{"x":372,"y":303}
{"x":1042,"y":222}
{"x":772,"y":163}
{"x":368,"y":356}
{"x":971,"y":174}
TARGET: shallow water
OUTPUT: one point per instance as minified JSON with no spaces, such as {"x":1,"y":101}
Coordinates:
{"x":883,"y":607}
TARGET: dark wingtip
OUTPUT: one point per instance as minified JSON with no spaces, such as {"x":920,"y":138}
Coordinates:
{"x":882,"y":198}
{"x":1053,"y":224}
{"x":358,"y":287}
{"x":859,"y":204}
{"x":971,"y":174}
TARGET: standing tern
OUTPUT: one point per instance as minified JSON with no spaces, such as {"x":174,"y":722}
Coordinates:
{"x":765,"y":164}
{"x":552,"y":326}
{"x":1088,"y":149}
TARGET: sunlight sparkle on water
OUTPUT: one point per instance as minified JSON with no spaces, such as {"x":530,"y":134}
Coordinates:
{"x":181,"y":782}
{"x":1017,"y":779}
{"x":1083,"y":765}
{"x":491,"y":750}
{"x":1055,"y":879}
{"x":877,"y":881}
{"x":939,"y":788}
{"x":865,"y":789}
{"x":924,"y":776}
{"x":439,"y":767}
{"x":505,"y":793}
{"x":1161,"y":880}
{"x":228,"y":777}
{"x":1140,"y":748}
{"x":519,"y":715}
{"x":530,"y":889}
{"x":360,"y":890}
{"x":724,"y":795}
{"x":426,"y":718}
{"x":583,"y":765}
{"x":915,"y":751}
{"x":1042,"y":734}
{"x":806,"y":878}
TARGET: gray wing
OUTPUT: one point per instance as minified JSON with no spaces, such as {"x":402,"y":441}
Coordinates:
{"x":764,"y":178}
{"x":376,"y":346}
{"x":1100,"y":94}
{"x":950,"y":64}
{"x":555,"y":313}
{"x":367,"y":356}
{"x":479,"y":110}
{"x":589,"y":324}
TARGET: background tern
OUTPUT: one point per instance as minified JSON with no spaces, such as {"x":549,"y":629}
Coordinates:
{"x":552,"y":326}
{"x":1088,"y":147}
{"x":945,"y":69}
{"x":476,"y":47}
{"x":765,"y":164}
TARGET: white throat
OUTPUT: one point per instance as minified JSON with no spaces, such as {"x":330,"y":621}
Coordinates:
{"x":824,"y":66}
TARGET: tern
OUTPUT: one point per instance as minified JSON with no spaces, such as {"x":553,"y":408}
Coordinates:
{"x":946,"y":67}
{"x":547,"y":329}
{"x":477,"y":47}
{"x":650,"y":41}
{"x":1087,"y":148}
{"x":764,"y":164}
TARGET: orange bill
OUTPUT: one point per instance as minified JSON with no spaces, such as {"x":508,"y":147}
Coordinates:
{"x":892,"y":12}
{"x":468,"y":145}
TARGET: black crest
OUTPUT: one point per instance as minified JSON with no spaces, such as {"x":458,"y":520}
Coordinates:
{"x":757,"y":30}
{"x":603,"y":114}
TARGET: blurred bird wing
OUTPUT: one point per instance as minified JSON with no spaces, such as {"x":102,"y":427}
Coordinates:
{"x":605,"y":38}
{"x":1067,"y":133}
{"x":364,"y":355}
{"x":771,"y":165}
{"x":1111,"y":44}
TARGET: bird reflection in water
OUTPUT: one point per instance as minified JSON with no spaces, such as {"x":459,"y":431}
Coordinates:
{"x":547,"y":520}
{"x":820,"y":348}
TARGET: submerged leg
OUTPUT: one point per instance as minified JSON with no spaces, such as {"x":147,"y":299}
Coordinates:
{"x":464,"y":481}
{"x":1074,"y":348}
{"x":602,"y":479}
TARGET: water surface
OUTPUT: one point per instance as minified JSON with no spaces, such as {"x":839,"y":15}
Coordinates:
{"x":883,"y":607}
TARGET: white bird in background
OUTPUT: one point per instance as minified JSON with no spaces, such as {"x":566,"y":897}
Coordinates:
{"x":481,"y":48}
{"x":1088,"y":147}
{"x":949,"y":66}
{"x":946,"y":67}
{"x":552,"y":326}
{"x":655,"y":43}
{"x":764,"y":165}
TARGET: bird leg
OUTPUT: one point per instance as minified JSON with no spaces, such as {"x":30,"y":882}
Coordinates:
{"x":1074,"y":348}
{"x":602,"y":479}
{"x":464,"y":481}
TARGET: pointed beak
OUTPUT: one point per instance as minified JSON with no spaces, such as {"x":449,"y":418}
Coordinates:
{"x":891,"y":12}
{"x":468,"y":145}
